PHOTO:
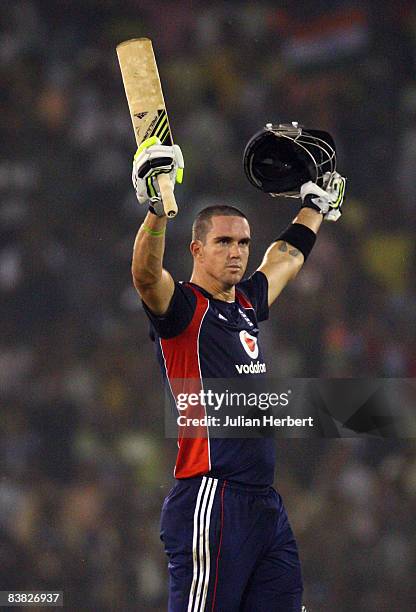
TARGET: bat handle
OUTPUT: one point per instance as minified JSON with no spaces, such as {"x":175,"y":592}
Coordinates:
{"x":168,"y":198}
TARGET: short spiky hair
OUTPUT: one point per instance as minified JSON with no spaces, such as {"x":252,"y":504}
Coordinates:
{"x":202,"y":223}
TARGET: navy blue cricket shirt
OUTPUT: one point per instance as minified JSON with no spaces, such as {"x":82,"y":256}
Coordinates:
{"x":199,"y":338}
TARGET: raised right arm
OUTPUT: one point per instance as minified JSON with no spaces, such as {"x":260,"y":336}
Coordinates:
{"x":153,"y":283}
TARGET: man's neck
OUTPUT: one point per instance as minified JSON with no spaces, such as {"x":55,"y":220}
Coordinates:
{"x":216,"y":289}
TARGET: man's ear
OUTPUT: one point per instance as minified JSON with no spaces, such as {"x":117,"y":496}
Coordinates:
{"x":196,"y":248}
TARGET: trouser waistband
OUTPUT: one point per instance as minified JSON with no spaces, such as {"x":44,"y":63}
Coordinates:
{"x":232,"y":484}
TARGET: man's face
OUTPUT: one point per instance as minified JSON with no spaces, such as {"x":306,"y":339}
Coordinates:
{"x":224,"y":254}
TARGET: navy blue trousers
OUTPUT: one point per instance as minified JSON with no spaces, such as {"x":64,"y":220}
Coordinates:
{"x":230,"y":549}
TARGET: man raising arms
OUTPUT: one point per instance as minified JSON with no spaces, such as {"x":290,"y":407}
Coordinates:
{"x":224,"y":527}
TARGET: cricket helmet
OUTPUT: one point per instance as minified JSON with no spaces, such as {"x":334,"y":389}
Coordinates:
{"x":280,"y":158}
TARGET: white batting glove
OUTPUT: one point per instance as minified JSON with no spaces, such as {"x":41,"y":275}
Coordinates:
{"x":327,"y":201}
{"x":151,"y":159}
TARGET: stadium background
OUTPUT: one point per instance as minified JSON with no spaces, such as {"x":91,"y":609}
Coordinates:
{"x":84,"y":463}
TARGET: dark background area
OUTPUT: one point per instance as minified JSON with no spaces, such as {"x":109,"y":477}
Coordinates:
{"x":84,"y":462}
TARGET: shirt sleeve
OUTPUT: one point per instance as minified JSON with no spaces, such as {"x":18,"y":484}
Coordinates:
{"x":178,"y":315}
{"x":256,"y":288}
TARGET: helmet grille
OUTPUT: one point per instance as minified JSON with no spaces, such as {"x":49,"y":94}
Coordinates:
{"x":280,"y":158}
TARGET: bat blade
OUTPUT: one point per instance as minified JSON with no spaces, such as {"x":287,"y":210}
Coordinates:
{"x":146,"y":104}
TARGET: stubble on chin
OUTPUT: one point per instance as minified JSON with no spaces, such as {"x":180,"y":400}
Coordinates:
{"x":232,"y":279}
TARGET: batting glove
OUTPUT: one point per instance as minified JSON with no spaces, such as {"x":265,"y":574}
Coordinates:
{"x":328,"y":200}
{"x":151,"y":159}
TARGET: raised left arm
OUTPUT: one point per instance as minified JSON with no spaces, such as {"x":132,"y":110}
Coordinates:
{"x":285,"y":257}
{"x":282,"y":261}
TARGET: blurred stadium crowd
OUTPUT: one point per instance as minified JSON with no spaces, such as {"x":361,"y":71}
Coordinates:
{"x":84,"y":463}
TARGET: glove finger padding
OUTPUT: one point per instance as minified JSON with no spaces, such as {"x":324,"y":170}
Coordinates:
{"x":336,"y":188}
{"x":327,"y":201}
{"x":151,"y":160}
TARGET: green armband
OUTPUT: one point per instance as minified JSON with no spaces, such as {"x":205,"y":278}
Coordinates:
{"x":152,"y":232}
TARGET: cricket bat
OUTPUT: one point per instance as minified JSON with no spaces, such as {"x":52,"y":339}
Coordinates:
{"x":146,"y":104}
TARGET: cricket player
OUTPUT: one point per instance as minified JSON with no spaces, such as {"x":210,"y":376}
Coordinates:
{"x":224,"y":527}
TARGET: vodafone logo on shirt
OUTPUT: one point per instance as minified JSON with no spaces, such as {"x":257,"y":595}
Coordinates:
{"x":249,"y":343}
